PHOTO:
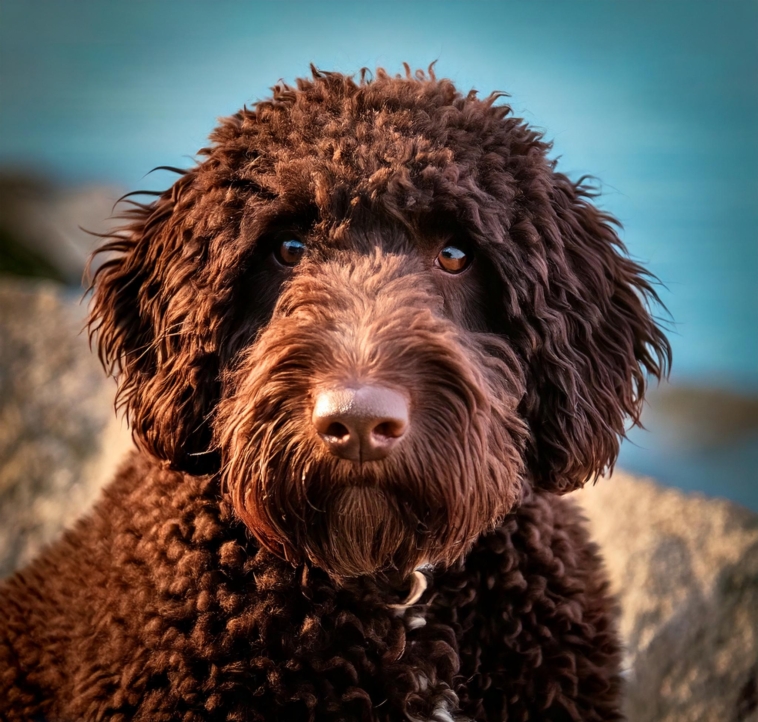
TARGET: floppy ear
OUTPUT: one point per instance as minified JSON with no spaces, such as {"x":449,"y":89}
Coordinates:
{"x":159,"y":306}
{"x":597,"y":343}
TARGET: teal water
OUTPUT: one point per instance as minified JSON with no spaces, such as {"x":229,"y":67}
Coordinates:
{"x":659,"y":100}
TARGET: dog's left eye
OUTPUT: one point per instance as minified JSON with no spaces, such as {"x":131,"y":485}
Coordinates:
{"x":453,"y":259}
{"x":289,"y":252}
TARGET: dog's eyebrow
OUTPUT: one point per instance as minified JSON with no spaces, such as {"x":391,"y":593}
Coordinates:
{"x":270,"y":221}
{"x":442,"y":226}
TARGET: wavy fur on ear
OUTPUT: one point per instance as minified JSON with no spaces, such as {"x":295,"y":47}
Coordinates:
{"x":595,"y":341}
{"x":162,"y":309}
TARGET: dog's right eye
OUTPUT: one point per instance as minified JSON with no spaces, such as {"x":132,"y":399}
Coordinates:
{"x":289,"y":252}
{"x":453,"y":259}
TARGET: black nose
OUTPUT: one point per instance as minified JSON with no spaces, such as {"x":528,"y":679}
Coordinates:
{"x":363,"y":423}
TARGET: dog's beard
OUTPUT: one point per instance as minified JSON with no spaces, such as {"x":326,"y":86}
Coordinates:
{"x":387,"y":517}
{"x":363,"y":530}
{"x":417,"y":507}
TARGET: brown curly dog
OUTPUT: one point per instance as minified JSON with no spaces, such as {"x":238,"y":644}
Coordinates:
{"x":364,"y":346}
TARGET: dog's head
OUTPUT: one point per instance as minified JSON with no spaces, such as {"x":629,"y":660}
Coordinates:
{"x":378,"y":312}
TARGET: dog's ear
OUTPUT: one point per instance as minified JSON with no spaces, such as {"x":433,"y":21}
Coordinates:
{"x":595,"y":342}
{"x":157,"y":315}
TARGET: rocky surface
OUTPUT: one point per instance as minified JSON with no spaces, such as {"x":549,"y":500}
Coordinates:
{"x":684,"y":567}
{"x":59,"y":435}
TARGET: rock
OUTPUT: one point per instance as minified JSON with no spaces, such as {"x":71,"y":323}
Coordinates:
{"x":42,"y":226}
{"x":694,"y":417}
{"x":685,"y":569}
{"x":59,"y":435}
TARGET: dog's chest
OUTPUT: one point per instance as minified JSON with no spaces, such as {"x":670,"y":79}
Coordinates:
{"x":357,"y":654}
{"x":410,"y":672}
{"x":440,"y":700}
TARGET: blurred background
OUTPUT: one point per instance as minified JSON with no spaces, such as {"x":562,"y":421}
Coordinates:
{"x":659,"y":100}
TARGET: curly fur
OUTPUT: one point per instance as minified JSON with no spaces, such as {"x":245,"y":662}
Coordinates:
{"x":235,"y":569}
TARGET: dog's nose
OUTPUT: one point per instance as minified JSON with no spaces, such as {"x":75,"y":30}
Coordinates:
{"x":360,"y":424}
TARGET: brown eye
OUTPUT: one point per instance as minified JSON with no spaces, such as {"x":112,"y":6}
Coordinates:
{"x":289,"y":252}
{"x":453,"y":259}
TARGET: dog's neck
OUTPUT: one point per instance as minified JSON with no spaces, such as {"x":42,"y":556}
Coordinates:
{"x":401,"y":592}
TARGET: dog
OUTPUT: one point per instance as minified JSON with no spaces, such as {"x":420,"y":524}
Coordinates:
{"x":365,"y":345}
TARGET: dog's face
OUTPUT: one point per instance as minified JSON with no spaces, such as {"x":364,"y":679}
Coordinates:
{"x":376,"y":311}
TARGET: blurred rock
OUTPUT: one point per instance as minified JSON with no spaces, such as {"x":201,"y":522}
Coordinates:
{"x":41,"y":226}
{"x":685,"y":569}
{"x":696,"y":416}
{"x":59,"y":435}
{"x":700,"y":438}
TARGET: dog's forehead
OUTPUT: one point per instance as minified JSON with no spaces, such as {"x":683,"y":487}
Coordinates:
{"x":407,"y":145}
{"x":375,"y":124}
